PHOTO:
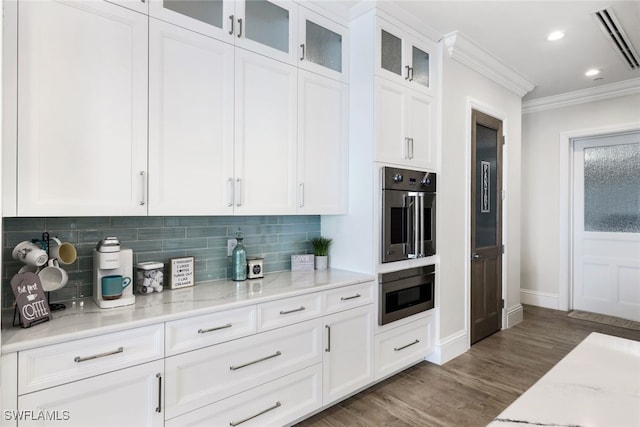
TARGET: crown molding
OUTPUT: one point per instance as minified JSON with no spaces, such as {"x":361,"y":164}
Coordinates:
{"x":583,"y":96}
{"x":478,"y":59}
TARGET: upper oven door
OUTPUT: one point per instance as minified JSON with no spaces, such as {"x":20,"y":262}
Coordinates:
{"x":398,"y":219}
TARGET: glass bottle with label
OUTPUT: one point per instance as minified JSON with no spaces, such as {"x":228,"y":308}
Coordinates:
{"x":239,"y":259}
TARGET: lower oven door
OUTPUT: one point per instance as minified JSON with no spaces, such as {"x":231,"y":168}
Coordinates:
{"x":405,"y":296}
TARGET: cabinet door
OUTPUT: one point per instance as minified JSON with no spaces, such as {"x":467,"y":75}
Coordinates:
{"x":190,"y":122}
{"x":130,"y":397}
{"x":420,"y":128}
{"x":392,"y":138}
{"x":214,"y":18}
{"x":138,"y":5}
{"x":348,"y":357}
{"x":82,"y":109}
{"x":268,"y":28}
{"x":265,"y":135}
{"x":322,"y":145}
{"x":419,"y":60}
{"x":323,"y":45}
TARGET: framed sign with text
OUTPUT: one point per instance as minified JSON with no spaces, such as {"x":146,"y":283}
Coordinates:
{"x":181,"y":272}
{"x":31,"y":301}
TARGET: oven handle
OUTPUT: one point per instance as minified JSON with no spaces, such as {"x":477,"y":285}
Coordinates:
{"x":421,"y":222}
{"x":414,"y":237}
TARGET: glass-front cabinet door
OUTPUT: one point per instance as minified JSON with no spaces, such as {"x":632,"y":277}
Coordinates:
{"x":323,"y":45}
{"x":213,"y":18}
{"x":403,"y":58}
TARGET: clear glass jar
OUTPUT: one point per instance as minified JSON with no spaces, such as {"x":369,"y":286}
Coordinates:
{"x":239,"y":259}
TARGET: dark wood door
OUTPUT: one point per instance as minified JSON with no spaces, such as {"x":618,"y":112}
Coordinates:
{"x":486,"y":226}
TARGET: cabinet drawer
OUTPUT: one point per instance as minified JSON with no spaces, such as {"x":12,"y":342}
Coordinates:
{"x":348,"y":297}
{"x":277,"y":403}
{"x":201,"y":331}
{"x":204,"y":376}
{"x":287,"y":311}
{"x":62,"y":363}
{"x":398,"y":348}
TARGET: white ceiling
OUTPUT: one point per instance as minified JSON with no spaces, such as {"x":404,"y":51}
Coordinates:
{"x":515,"y":32}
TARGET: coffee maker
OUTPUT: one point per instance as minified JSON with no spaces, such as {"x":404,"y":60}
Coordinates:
{"x":109,"y":260}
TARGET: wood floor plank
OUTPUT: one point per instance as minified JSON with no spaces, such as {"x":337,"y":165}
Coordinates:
{"x":475,"y":387}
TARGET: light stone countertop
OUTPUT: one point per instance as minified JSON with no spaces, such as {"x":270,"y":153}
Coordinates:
{"x":596,"y":384}
{"x":83,"y":318}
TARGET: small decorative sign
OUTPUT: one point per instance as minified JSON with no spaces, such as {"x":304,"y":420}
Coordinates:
{"x":486,"y":183}
{"x":181,"y":272}
{"x":302,"y":262}
{"x":31,"y":301}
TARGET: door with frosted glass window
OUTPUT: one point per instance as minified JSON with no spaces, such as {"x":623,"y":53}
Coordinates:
{"x":606,"y":219}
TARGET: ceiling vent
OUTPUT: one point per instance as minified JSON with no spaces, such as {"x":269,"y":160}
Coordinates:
{"x":613,"y":30}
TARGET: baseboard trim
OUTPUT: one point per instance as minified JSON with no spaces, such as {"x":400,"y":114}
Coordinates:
{"x":515,"y":315}
{"x":539,"y":299}
{"x":449,"y":348}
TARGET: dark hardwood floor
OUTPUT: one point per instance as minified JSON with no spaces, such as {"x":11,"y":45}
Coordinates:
{"x":475,"y":387}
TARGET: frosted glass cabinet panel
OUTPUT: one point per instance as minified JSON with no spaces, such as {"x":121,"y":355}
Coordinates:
{"x":391,"y":53}
{"x":267,"y":23}
{"x":323,"y":45}
{"x":213,"y":18}
{"x":612,"y":188}
{"x":209,"y":12}
{"x":420,"y":69}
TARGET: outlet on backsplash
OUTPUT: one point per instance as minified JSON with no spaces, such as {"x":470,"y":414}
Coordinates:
{"x":231,"y":243}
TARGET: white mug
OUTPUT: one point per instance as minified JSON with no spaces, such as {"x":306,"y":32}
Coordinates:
{"x":30,"y":253}
{"x":65,"y":252}
{"x":52,"y":276}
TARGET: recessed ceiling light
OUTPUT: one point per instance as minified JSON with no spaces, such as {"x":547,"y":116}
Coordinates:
{"x":592,"y":72}
{"x":556,"y":35}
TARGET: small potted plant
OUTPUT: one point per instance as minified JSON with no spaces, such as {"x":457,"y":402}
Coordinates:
{"x":321,"y":251}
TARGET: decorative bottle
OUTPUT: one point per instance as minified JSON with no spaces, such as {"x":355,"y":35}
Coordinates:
{"x":239,"y":259}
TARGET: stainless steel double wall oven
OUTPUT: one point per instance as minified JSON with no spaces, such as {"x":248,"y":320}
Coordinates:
{"x":408,"y":232}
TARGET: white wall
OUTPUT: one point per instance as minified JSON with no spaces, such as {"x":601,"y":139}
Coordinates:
{"x":544,"y":140}
{"x":463,"y":89}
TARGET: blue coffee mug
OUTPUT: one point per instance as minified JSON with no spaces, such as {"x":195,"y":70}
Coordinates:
{"x":112,"y":286}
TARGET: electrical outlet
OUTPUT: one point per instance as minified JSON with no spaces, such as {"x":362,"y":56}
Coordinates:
{"x":231,"y":243}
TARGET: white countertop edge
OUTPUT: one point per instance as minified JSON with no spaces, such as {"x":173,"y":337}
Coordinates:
{"x":83,"y":318}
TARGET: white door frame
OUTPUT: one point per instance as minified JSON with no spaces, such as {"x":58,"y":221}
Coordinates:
{"x":565,"y":210}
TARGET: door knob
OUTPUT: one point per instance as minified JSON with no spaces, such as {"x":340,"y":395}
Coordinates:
{"x":475,"y":256}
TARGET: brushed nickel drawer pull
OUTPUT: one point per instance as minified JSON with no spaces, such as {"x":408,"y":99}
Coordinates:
{"x":276,"y":354}
{"x":328,"y":328}
{"x":237,"y":423}
{"x":348,"y":298}
{"x":217,"y":328}
{"x":159,"y":407}
{"x":405,"y":346}
{"x":294,"y":310}
{"x":79,"y":359}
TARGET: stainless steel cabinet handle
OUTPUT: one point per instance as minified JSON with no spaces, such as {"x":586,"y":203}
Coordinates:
{"x":144,"y":187}
{"x":405,"y":346}
{"x":301,"y":195}
{"x":217,"y":328}
{"x":237,"y":423}
{"x":411,"y":146}
{"x":407,"y":68}
{"x":352,"y":297}
{"x":407,"y":148}
{"x":159,"y":407}
{"x":229,"y":192}
{"x":411,"y":71}
{"x":244,"y":365}
{"x":231,"y":18}
{"x":79,"y":359}
{"x":238,"y":192}
{"x":328,"y":349}
{"x":302,"y":56}
{"x":240,"y":27}
{"x":302,"y":308}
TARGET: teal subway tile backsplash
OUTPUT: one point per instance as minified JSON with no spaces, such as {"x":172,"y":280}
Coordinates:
{"x":275,"y":238}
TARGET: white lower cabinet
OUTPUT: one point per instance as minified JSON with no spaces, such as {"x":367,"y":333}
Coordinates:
{"x":403,"y":346}
{"x":277,"y":403}
{"x":204,"y":376}
{"x":348,"y":352}
{"x":128,"y":397}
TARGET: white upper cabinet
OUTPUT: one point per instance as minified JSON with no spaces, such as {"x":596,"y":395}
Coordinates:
{"x":265,"y":27}
{"x":405,"y":132}
{"x":323,"y":45}
{"x":141,"y":6}
{"x":191,"y":80}
{"x":402,"y":57}
{"x":265,"y":135}
{"x":82,"y":109}
{"x":322,"y":144}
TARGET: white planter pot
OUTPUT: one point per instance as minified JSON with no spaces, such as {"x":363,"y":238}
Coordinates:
{"x":321,"y":262}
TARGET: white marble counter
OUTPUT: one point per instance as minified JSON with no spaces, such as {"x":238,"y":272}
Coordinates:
{"x":596,"y":384}
{"x":83,"y":318}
